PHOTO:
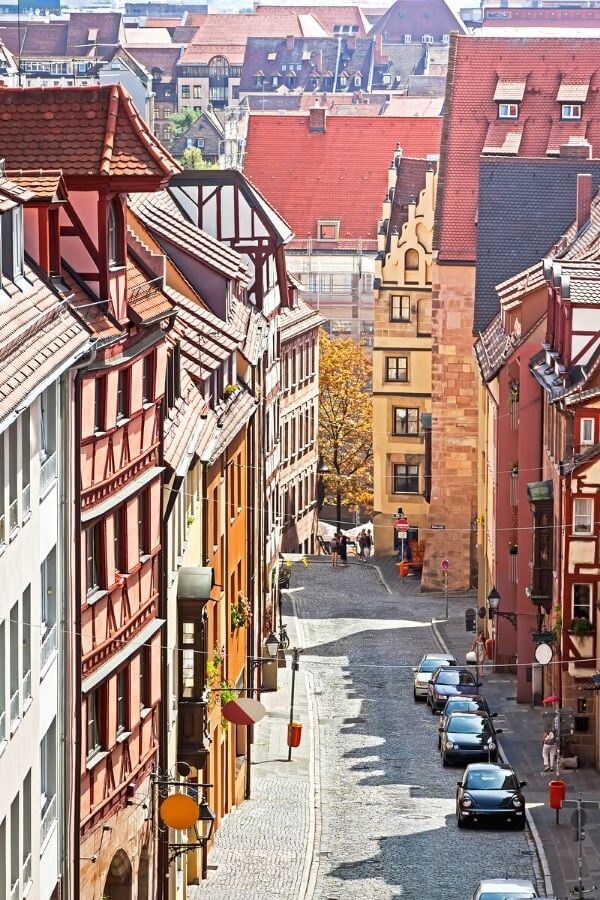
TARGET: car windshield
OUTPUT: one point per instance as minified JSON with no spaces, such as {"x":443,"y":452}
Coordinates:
{"x":430,"y":665}
{"x":490,"y":780}
{"x":448,"y":676}
{"x":468,"y":725}
{"x":504,"y":896}
{"x":462,"y":706}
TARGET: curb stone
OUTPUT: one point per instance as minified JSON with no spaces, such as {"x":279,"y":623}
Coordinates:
{"x":311,"y":865}
{"x":537,"y":842}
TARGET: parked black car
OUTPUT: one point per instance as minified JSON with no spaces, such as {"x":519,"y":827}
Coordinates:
{"x":490,"y":793}
{"x":475,"y":704}
{"x":450,"y":683}
{"x":468,"y":736}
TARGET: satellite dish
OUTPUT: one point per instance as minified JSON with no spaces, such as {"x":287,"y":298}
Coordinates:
{"x":544,"y":654}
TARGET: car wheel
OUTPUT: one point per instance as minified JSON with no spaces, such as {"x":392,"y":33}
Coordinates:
{"x":520,"y":824}
{"x":434,"y":711}
{"x":445,"y":762}
{"x":460,"y":821}
{"x":415,"y":695}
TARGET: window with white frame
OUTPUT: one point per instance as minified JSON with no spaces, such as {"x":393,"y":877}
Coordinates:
{"x":48,"y":422}
{"x":508,"y":110}
{"x":587,"y":431}
{"x":583,"y":515}
{"x":95,"y":721}
{"x":445,"y":39}
{"x":407,"y":38}
{"x":48,"y":767}
{"x":48,"y":589}
{"x":427,"y":39}
{"x":570,"y":111}
{"x":582,"y":601}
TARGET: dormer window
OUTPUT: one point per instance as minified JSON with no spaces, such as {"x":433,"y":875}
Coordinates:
{"x":357,"y":80}
{"x":328,"y":230}
{"x":275,"y":80}
{"x":445,"y":39}
{"x":508,"y":110}
{"x":570,"y":111}
{"x":427,"y":39}
{"x":12,"y":243}
{"x":343,"y":81}
{"x":115,"y":252}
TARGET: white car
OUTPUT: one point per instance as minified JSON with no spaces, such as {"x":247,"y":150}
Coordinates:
{"x":424,"y":671}
{"x":504,"y":889}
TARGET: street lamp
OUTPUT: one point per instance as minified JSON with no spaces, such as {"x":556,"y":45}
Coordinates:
{"x":272,"y":645}
{"x":493,"y":604}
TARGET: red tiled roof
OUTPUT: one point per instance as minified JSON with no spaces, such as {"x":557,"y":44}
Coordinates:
{"x":81,"y":130}
{"x":476,"y":65}
{"x":42,"y":185}
{"x":201,"y":53}
{"x":417,"y":17}
{"x":561,"y":18}
{"x":339,"y":175}
{"x":146,"y":301}
{"x":328,"y":16}
{"x":236,"y":28}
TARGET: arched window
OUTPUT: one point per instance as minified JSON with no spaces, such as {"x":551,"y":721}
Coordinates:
{"x":412,"y":260}
{"x":218,"y":65}
{"x":114,"y":236}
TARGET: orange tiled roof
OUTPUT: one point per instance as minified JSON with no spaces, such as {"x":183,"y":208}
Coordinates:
{"x":41,"y":185}
{"x":91,"y":311}
{"x":84,"y":131}
{"x":146,"y":301}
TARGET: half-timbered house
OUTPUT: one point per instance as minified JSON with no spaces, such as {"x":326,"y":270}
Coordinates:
{"x":98,"y":140}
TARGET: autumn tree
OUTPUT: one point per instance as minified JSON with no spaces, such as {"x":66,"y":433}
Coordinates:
{"x":345,"y":422}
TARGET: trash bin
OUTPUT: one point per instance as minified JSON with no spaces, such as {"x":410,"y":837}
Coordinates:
{"x":403,"y":568}
{"x":557,"y":794}
{"x":294,"y":734}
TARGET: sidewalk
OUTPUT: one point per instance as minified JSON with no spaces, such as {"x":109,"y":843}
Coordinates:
{"x":522,"y":730}
{"x":264,"y":848}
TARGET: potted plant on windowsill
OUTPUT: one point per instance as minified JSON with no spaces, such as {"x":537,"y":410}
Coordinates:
{"x":580,"y":627}
{"x":230,"y":390}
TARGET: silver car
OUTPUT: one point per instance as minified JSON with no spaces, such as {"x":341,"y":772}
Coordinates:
{"x":424,"y":671}
{"x":504,"y":889}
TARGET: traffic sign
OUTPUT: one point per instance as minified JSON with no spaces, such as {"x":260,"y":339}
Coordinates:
{"x":401,"y":525}
{"x":445,"y":564}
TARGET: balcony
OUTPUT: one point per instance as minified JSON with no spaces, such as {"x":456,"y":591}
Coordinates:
{"x":13,"y":516}
{"x":48,"y":819}
{"x":49,"y":644}
{"x":192,"y":731}
{"x":26,"y":501}
{"x":27,"y":687}
{"x":47,"y":474}
{"x":14,"y":710}
{"x":26,"y":873}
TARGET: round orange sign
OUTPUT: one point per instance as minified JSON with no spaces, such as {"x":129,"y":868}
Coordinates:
{"x":179,"y":811}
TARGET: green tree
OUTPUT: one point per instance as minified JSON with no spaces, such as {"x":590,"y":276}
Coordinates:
{"x":192,"y":159}
{"x":181,"y":121}
{"x":346,"y":422}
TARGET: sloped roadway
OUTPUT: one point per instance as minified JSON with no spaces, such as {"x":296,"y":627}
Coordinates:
{"x":387,"y":805}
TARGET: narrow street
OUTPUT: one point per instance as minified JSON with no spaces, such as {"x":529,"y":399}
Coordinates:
{"x":386,"y":804}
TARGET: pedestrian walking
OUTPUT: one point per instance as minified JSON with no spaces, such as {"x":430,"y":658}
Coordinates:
{"x":343,"y":550}
{"x":362,"y":544}
{"x":549,"y":746}
{"x":479,"y":650}
{"x":369,"y":542}
{"x":335,"y":547}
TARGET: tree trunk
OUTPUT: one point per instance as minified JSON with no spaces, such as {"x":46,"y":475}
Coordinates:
{"x":338,"y":509}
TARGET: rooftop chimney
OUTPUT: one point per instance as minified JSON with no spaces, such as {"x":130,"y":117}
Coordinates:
{"x":317,"y":117}
{"x":584,"y":200}
{"x":289,"y":42}
{"x":582,"y":150}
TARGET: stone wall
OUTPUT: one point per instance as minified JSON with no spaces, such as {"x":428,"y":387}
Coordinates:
{"x":454,"y":430}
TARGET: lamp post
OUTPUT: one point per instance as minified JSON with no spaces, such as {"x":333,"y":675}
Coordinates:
{"x":493,"y":604}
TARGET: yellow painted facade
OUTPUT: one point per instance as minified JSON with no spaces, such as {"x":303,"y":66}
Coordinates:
{"x":402,"y":359}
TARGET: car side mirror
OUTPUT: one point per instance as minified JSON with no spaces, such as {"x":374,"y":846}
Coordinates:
{"x":522,"y":784}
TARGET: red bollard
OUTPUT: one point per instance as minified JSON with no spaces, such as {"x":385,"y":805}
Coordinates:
{"x":557,"y":795}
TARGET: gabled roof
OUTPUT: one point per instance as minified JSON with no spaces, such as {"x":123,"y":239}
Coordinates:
{"x":541,"y":17}
{"x":514,"y":230}
{"x":163,"y":58}
{"x":224,"y":28}
{"x":84,"y":131}
{"x":38,"y":335}
{"x":476,"y":66}
{"x":298,"y":319}
{"x":94,"y":34}
{"x":417,"y":17}
{"x":412,"y":174}
{"x":330,"y":17}
{"x":309,"y":176}
{"x":208,"y":127}
{"x":200,"y":53}
{"x":163,"y":217}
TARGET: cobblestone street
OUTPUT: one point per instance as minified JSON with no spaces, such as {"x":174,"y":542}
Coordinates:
{"x":387,"y":805}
